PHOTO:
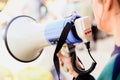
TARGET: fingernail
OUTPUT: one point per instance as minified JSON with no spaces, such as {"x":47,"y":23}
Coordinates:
{"x":62,"y":64}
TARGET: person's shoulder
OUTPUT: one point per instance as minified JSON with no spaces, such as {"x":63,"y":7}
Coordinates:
{"x":109,"y":70}
{"x":116,"y":69}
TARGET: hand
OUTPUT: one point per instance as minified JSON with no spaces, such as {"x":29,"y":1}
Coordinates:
{"x":67,"y":60}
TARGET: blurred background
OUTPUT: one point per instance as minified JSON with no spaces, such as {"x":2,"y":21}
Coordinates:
{"x":44,"y":11}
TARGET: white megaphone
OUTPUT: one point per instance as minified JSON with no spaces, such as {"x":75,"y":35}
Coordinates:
{"x":25,"y":38}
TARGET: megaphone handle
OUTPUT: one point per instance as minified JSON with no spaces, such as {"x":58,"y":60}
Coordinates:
{"x":73,"y":57}
{"x":71,"y":48}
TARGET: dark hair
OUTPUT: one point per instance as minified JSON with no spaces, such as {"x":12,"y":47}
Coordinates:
{"x":118,"y":1}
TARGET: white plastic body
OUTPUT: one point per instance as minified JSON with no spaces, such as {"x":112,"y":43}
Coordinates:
{"x":83,"y":28}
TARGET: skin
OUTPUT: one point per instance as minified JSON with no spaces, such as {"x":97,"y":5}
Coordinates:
{"x":107,"y":15}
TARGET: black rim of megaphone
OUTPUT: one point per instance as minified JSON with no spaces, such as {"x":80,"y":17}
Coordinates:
{"x":6,"y":42}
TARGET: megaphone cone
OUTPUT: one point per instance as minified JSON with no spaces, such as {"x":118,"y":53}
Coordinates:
{"x":22,"y":42}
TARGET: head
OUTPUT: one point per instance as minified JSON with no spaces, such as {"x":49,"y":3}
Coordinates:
{"x":107,"y":14}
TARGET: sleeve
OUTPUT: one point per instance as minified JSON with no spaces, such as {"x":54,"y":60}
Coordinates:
{"x":107,"y":72}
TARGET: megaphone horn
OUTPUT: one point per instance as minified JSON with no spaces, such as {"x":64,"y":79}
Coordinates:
{"x":21,"y":40}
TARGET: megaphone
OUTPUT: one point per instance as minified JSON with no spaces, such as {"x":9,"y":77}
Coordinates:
{"x":25,"y":37}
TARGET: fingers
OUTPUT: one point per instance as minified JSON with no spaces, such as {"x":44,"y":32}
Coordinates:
{"x":60,"y":55}
{"x":64,"y":58}
{"x":66,"y":61}
{"x":63,"y":64}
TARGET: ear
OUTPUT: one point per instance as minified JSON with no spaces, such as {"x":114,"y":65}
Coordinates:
{"x":108,"y":4}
